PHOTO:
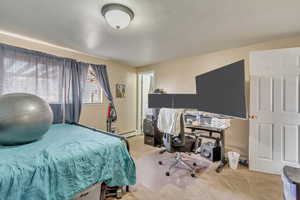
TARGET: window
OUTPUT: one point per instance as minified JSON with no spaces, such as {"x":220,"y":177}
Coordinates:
{"x":92,"y":92}
{"x":25,"y":76}
{"x":42,"y":77}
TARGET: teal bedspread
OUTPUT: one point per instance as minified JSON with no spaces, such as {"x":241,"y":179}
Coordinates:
{"x":66,"y":161}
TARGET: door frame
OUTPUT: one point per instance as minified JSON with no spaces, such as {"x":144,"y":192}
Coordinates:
{"x":140,"y":97}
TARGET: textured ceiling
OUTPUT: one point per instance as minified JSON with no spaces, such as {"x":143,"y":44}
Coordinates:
{"x":161,"y":29}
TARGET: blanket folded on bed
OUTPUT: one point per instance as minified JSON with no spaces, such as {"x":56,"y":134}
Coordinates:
{"x":66,"y":161}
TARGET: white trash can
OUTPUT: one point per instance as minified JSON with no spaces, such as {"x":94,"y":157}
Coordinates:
{"x":233,"y":158}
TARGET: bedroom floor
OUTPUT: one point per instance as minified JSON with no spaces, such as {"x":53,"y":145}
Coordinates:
{"x":228,"y":185}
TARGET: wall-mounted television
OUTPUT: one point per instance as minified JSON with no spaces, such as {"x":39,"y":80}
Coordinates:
{"x":222,"y":91}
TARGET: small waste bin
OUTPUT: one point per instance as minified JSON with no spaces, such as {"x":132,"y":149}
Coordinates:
{"x":233,"y":158}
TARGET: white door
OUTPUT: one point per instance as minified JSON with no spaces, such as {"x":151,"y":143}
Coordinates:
{"x":274,"y":103}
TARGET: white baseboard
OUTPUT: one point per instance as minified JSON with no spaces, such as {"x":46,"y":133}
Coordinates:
{"x":130,"y":133}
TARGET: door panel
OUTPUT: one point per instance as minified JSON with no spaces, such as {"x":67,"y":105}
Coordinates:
{"x":290,"y":143}
{"x":265,"y":94}
{"x":265,"y":141}
{"x":290,"y":93}
{"x":274,"y":100}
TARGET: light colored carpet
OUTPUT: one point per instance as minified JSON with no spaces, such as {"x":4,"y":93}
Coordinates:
{"x":152,"y":175}
{"x":240,"y":184}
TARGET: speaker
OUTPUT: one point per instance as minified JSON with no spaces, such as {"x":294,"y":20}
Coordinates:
{"x":148,"y":127}
{"x":211,"y":151}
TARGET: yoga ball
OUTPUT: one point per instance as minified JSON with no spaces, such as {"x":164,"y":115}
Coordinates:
{"x":24,"y":118}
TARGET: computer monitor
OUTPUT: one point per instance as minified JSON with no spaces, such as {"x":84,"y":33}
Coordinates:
{"x":222,"y":91}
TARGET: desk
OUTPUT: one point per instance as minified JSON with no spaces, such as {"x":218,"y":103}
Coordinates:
{"x":221,"y":139}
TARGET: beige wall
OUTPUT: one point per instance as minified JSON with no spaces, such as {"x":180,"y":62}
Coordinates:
{"x":179,"y":76}
{"x":174,"y":76}
{"x":95,"y":114}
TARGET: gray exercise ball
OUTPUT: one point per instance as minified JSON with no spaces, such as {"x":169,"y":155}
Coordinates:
{"x":24,"y":118}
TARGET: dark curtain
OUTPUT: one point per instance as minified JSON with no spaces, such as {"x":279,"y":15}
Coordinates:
{"x":1,"y":69}
{"x":57,"y":113}
{"x":33,"y":72}
{"x":75,"y":78}
{"x":102,"y":78}
{"x":59,"y":81}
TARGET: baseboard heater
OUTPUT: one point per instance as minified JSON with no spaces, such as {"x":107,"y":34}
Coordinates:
{"x":129,"y":133}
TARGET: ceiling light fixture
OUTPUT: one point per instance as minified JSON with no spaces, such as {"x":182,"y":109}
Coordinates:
{"x":117,"y":16}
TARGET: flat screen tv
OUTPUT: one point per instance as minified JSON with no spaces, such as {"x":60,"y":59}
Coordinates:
{"x":222,"y":91}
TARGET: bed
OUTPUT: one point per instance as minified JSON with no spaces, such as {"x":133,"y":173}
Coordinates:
{"x":69,"y":159}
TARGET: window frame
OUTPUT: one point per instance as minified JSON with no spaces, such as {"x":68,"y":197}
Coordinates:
{"x":93,"y":80}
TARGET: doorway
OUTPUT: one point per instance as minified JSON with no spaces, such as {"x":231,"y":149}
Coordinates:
{"x":146,"y":85}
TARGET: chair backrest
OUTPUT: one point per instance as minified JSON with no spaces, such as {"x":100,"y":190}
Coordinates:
{"x":181,"y":135}
{"x":171,"y":142}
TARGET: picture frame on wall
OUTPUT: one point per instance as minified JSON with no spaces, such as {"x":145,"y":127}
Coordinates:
{"x":120,"y":90}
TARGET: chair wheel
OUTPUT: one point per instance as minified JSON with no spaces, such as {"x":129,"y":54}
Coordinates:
{"x":194,"y":164}
{"x":193,"y":175}
{"x":160,"y":163}
{"x":167,"y":173}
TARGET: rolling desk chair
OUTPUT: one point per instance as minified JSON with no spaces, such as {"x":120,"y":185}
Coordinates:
{"x":178,"y":145}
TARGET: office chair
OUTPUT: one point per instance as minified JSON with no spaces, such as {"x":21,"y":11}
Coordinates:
{"x":177,"y":145}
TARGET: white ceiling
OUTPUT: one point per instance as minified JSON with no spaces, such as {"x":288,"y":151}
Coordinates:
{"x":161,"y":29}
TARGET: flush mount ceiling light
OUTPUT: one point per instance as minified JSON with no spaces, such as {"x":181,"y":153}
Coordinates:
{"x":117,"y":16}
